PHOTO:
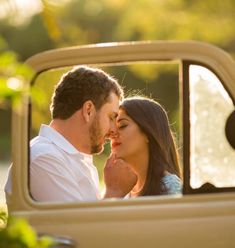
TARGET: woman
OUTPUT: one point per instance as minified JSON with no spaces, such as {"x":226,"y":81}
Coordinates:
{"x":144,"y":140}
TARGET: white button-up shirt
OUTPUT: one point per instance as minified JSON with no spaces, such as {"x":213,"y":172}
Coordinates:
{"x":58,"y":171}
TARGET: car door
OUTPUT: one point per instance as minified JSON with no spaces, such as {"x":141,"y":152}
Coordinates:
{"x":204,"y":215}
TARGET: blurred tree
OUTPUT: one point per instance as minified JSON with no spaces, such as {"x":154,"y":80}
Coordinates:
{"x":75,"y":22}
{"x":13,"y":80}
{"x":93,"y":21}
{"x":27,"y":39}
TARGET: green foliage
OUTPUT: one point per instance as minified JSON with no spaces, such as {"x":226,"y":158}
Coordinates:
{"x":3,"y":219}
{"x":19,"y":234}
{"x":75,"y":22}
{"x":13,"y":76}
{"x":50,"y":20}
{"x":26,"y":39}
{"x":82,"y":22}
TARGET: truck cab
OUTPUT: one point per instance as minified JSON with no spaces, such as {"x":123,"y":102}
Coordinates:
{"x":196,"y":83}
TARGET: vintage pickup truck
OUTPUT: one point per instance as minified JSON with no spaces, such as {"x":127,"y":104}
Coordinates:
{"x":203,"y":86}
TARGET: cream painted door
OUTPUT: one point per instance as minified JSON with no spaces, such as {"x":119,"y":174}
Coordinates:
{"x":188,"y":220}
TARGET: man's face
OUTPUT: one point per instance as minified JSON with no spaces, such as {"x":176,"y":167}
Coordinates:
{"x":104,"y":124}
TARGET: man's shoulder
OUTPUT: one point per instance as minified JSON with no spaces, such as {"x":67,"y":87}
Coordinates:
{"x":42,"y":146}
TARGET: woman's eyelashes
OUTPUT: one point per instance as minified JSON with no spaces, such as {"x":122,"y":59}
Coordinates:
{"x":122,"y":126}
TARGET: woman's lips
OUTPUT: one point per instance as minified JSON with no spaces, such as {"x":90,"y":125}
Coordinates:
{"x":115,"y":144}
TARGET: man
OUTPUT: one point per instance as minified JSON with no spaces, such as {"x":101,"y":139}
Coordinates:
{"x":84,"y":108}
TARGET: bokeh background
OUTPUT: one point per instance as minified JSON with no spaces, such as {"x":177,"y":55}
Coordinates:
{"x":31,"y":26}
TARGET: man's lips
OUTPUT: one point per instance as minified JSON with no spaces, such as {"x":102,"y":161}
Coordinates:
{"x":115,"y":144}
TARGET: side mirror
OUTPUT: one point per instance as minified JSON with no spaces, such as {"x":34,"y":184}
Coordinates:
{"x":230,"y":129}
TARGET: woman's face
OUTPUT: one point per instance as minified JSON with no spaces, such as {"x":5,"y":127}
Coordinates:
{"x":130,"y":143}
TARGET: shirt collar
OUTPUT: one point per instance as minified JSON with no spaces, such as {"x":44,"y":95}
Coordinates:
{"x":59,"y":140}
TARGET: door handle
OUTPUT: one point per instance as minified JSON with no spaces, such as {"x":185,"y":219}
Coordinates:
{"x":60,"y":242}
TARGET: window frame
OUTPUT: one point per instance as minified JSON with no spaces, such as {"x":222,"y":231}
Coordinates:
{"x":206,"y":188}
{"x":209,"y":56}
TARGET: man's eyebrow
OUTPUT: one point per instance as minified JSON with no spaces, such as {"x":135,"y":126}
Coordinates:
{"x":114,"y":115}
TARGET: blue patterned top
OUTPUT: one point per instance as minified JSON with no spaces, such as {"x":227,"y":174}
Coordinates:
{"x":171,"y":184}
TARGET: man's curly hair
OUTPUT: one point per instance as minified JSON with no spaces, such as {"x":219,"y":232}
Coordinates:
{"x":79,"y":85}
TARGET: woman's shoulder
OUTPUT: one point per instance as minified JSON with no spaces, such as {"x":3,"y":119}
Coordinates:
{"x":172,"y":184}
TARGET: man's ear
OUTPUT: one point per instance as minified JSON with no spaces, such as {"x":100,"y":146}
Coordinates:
{"x":88,"y":110}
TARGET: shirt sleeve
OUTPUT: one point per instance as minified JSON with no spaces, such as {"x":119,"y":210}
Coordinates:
{"x":49,"y":181}
{"x":172,"y":184}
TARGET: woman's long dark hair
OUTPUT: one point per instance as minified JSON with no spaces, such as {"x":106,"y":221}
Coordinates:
{"x":152,"y":119}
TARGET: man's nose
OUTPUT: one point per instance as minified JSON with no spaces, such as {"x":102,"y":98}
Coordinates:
{"x":113,"y":133}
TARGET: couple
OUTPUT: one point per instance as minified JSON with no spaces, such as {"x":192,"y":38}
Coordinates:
{"x":85,"y":112}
